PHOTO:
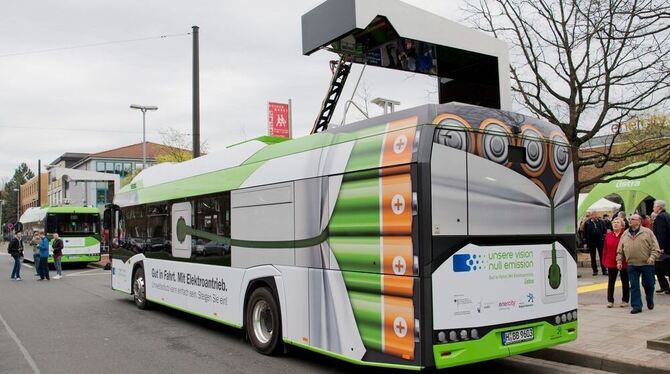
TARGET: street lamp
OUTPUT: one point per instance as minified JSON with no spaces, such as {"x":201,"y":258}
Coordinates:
{"x":144,"y":130}
{"x":2,"y":232}
{"x":18,"y":210}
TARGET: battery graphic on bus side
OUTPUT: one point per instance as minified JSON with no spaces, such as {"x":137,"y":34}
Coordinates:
{"x":370,"y":235}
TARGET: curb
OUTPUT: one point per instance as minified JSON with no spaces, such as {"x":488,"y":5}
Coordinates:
{"x":594,"y":362}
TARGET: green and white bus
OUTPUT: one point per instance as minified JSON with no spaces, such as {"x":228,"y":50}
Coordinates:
{"x":78,"y":226}
{"x":427,"y":238}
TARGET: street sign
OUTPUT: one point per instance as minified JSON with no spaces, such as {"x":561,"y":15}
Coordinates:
{"x":278,"y":120}
{"x":10,"y":226}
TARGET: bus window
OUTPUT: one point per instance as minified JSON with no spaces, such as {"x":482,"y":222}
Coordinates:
{"x":78,"y":224}
{"x":212,"y":215}
{"x":158,"y":227}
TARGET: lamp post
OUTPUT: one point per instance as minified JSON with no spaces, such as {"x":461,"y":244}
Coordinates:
{"x":2,"y":232}
{"x":144,"y":110}
{"x":18,"y":210}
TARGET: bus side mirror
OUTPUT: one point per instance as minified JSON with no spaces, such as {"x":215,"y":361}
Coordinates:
{"x":107,"y":219}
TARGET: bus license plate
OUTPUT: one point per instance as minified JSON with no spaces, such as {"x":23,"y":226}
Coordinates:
{"x":517,"y":336}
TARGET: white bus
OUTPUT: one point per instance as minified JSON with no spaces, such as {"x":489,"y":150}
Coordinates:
{"x":427,"y":238}
{"x":78,"y":226}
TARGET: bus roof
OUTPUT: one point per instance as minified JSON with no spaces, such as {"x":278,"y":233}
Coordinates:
{"x":259,"y":162}
{"x":35,"y":214}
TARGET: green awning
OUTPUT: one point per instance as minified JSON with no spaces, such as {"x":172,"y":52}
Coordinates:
{"x":632,"y":192}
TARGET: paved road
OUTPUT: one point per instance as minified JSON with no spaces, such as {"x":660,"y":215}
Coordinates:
{"x":79,"y":325}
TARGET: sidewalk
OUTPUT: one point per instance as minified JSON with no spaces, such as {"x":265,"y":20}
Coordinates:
{"x":613,"y":339}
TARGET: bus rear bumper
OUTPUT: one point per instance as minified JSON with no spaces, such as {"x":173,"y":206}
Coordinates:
{"x":491,"y":346}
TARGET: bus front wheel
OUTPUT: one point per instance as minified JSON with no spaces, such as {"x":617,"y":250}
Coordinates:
{"x":263,"y":322}
{"x":140,"y":289}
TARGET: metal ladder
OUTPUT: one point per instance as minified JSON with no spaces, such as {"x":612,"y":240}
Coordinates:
{"x":340,"y":71}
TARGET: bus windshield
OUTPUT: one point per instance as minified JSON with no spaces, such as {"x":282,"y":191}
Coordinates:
{"x":73,"y":223}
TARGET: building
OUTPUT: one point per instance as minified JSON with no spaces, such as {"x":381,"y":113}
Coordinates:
{"x":88,"y":178}
{"x":29,"y":193}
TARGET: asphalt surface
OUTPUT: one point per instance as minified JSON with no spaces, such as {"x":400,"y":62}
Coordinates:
{"x":79,"y":325}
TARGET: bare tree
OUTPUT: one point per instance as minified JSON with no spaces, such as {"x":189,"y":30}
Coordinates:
{"x":177,"y":146}
{"x":589,"y":66}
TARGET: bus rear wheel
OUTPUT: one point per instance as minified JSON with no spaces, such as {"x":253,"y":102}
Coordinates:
{"x":140,"y":289}
{"x":263,"y":322}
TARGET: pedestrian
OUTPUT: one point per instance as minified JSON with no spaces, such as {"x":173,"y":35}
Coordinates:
{"x":34,"y":242}
{"x":594,"y":235}
{"x":15,"y":249}
{"x":58,"y":253}
{"x":609,"y":260}
{"x":662,"y":232}
{"x":639,"y":247}
{"x":608,"y":222}
{"x":646,"y":222}
{"x":622,"y":215}
{"x":44,"y":257}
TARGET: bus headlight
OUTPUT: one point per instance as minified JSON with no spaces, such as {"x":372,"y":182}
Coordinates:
{"x":558,"y":320}
{"x":564,"y":318}
{"x":442,"y":336}
{"x":574,"y":315}
{"x":464,"y":335}
{"x":453,"y":336}
{"x":474,"y":334}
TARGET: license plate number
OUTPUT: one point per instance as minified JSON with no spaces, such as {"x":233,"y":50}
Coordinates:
{"x":517,"y":336}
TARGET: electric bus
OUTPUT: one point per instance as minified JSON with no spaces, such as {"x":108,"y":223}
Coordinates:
{"x":431,"y":237}
{"x":78,"y":227}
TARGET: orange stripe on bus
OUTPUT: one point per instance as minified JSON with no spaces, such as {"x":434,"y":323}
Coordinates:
{"x":399,"y":142}
{"x":398,"y":285}
{"x":399,"y":327}
{"x":398,"y":255}
{"x":396,"y":205}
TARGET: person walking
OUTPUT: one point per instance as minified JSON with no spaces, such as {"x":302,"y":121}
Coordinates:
{"x":609,"y":260}
{"x":15,"y":249}
{"x":34,"y":242}
{"x":639,"y":247}
{"x":44,"y":257}
{"x":58,"y":253}
{"x":622,"y":215}
{"x":608,"y":222}
{"x":594,"y":234}
{"x":661,"y":230}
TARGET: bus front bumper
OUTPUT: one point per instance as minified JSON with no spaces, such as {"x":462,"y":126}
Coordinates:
{"x":491,"y":347}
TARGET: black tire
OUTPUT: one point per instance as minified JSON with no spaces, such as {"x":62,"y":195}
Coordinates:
{"x":140,"y":289}
{"x":263,"y":322}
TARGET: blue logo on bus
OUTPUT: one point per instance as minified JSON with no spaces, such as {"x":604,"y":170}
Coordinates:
{"x":467,"y":262}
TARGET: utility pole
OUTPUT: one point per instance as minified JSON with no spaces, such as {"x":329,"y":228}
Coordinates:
{"x":290,"y":119}
{"x":39,"y":183}
{"x":196,"y":93}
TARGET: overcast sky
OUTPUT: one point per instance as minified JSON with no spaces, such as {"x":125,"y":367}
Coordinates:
{"x":76,"y":100}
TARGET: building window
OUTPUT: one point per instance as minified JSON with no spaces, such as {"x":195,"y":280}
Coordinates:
{"x":101,"y":196}
{"x":100,"y":166}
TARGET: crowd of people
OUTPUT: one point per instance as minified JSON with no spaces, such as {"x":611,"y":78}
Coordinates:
{"x":40,"y":247}
{"x":631,"y":249}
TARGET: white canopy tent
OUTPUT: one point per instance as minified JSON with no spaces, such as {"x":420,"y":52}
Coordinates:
{"x":601,"y":206}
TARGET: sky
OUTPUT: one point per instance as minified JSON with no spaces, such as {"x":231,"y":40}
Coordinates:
{"x":77,"y":100}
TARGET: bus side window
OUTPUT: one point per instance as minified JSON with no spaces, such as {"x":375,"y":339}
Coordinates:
{"x":52,"y":223}
{"x":158,"y":228}
{"x":212,"y":215}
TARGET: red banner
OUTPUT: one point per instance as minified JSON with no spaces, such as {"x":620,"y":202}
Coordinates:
{"x":278,"y":120}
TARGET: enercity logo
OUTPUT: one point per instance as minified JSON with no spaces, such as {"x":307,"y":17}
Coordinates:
{"x":467,"y":262}
{"x":530,"y":297}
